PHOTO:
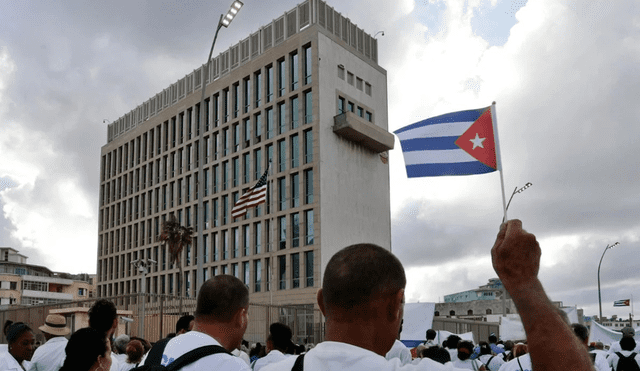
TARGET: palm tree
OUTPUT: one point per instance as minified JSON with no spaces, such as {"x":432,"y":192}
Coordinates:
{"x":176,"y":237}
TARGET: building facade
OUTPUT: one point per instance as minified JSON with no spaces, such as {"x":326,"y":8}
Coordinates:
{"x":304,"y":94}
{"x":27,"y":284}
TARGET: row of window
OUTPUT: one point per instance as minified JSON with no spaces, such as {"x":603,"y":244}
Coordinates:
{"x":290,"y":193}
{"x":354,"y":80}
{"x":219,"y":177}
{"x":345,"y":105}
{"x":245,"y":240}
{"x":224,"y":106}
{"x":291,"y":272}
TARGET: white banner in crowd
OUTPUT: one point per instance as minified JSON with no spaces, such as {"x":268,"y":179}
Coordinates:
{"x":418,"y":318}
{"x":606,"y":335}
{"x":511,"y":327}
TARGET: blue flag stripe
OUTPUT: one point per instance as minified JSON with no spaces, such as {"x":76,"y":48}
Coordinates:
{"x":460,"y":168}
{"x":462,"y":116}
{"x":429,"y":144}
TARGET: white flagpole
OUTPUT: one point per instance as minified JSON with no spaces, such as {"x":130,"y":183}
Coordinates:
{"x":494,"y":121}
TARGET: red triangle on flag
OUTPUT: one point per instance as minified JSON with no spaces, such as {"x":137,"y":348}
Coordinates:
{"x":478,"y":140}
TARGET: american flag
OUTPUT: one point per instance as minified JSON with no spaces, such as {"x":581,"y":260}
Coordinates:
{"x":254,"y":197}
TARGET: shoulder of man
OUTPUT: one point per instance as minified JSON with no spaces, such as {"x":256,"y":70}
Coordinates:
{"x":284,"y":365}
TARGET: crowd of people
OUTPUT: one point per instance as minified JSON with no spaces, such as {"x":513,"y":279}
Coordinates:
{"x":362,"y":300}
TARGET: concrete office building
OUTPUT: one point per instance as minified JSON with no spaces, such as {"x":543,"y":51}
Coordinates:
{"x":304,"y":92}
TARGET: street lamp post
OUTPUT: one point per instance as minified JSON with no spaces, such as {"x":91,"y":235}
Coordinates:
{"x":142,"y":265}
{"x":225,"y":20}
{"x":599,"y":264}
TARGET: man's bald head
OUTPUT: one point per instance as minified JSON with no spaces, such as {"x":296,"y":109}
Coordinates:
{"x":358,"y":274}
{"x":220,"y":298}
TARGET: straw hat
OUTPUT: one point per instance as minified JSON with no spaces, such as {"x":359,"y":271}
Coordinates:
{"x":55,"y":324}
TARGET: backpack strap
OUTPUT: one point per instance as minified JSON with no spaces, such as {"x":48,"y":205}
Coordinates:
{"x":196,"y":354}
{"x":489,"y":361}
{"x":518,"y":359}
{"x":299,"y":365}
{"x":155,"y":354}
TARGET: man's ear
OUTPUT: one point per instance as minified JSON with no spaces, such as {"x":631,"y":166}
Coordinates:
{"x":395,"y":305}
{"x":320,"y":299}
{"x":239,"y":319}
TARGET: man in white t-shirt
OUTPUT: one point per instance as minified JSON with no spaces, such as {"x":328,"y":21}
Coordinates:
{"x":50,"y":356}
{"x":362,"y":299}
{"x":279,"y":345}
{"x":628,"y":345}
{"x":221,"y":318}
{"x":627,"y":332}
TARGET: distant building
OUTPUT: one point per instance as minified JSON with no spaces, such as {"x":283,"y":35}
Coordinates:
{"x":27,"y":284}
{"x":476,"y":303}
{"x":482,"y":303}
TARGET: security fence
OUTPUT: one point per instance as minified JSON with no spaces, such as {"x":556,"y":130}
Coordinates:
{"x":161,"y":312}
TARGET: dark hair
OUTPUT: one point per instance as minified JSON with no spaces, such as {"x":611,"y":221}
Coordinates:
{"x":83,"y":349}
{"x":466,"y":345}
{"x":484,"y":348}
{"x":221,"y":297}
{"x":359,"y":273}
{"x":508,"y":345}
{"x":15,"y":330}
{"x":493,"y":338}
{"x":255,"y":350}
{"x":627,"y":343}
{"x":280,"y":335}
{"x":183,"y":322}
{"x":135,"y":351}
{"x":437,"y":354}
{"x":7,"y":323}
{"x":452,"y":341}
{"x":581,"y":331}
{"x":101,"y":315}
{"x":431,"y":334}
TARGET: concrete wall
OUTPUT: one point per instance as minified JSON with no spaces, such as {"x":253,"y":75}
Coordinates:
{"x":354,"y":182}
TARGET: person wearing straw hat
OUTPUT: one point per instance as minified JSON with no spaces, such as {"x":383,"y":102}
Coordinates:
{"x":50,"y":356}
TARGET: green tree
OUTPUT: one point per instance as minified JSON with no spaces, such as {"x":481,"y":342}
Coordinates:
{"x":176,"y":237}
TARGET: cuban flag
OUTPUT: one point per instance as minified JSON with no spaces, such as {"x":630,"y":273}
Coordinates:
{"x":622,"y":303}
{"x":457,"y":143}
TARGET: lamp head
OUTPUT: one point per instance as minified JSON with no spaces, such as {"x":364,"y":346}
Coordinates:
{"x":235,"y":8}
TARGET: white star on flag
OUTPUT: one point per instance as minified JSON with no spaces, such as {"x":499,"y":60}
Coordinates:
{"x":477,"y":141}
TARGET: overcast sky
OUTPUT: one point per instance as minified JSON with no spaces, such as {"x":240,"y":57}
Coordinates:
{"x":565,"y":76}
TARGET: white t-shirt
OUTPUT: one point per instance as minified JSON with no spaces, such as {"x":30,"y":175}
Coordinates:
{"x":332,"y":355}
{"x":50,"y":355}
{"x":115,"y":363}
{"x":495,"y":363}
{"x":525,"y":361}
{"x":469,"y":364}
{"x":8,"y":363}
{"x":613,"y":358}
{"x":273,"y":356}
{"x":242,"y":355}
{"x":400,"y":351}
{"x":184,"y":343}
{"x":601,"y":363}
